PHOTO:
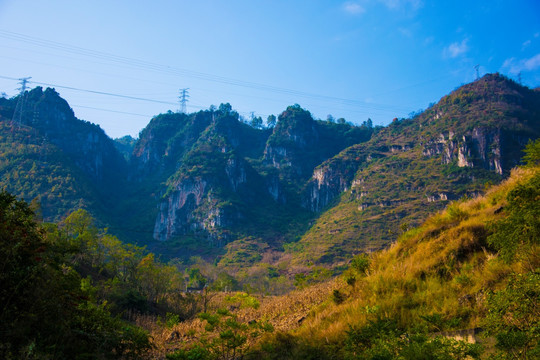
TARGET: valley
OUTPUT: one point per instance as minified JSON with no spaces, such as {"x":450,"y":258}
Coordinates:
{"x":211,"y":237}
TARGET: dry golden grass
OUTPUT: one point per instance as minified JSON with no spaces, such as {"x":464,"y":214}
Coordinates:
{"x":441,"y":267}
{"x":285,"y":313}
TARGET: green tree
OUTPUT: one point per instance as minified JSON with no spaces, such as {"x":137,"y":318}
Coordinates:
{"x":196,"y":278}
{"x":225,"y":109}
{"x":256,"y":122}
{"x":520,"y":229}
{"x":225,"y":282}
{"x":532,"y":153}
{"x":514,"y":317}
{"x":23,"y":270}
{"x":46,"y":309}
{"x":271,"y":121}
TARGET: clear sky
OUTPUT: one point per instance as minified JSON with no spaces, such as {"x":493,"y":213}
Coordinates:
{"x":361,"y":59}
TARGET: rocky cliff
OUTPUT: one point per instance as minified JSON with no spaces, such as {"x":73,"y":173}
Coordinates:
{"x":164,"y":142}
{"x":198,"y":181}
{"x":294,"y":135}
{"x":211,"y":185}
{"x":251,"y":177}
{"x":328,"y":182}
{"x":415,"y":166}
{"x":482,"y":125}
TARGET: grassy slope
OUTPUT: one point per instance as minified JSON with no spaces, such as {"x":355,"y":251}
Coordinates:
{"x":442,"y":267}
{"x":442,"y":270}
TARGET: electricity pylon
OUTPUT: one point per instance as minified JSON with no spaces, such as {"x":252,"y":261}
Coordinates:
{"x":184,"y":95}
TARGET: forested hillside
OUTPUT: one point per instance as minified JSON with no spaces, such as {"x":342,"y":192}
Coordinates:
{"x":289,"y":203}
{"x":72,"y":290}
{"x":55,"y":159}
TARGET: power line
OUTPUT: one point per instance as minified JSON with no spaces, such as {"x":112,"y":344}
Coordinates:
{"x":184,"y":72}
{"x":109,"y":110}
{"x":92,"y":91}
{"x":104,"y":93}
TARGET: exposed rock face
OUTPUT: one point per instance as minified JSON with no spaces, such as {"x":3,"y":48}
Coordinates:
{"x":437,"y":197}
{"x":326,"y":183}
{"x":176,"y":210}
{"x":294,"y":135}
{"x":236,"y":173}
{"x":480,"y":147}
{"x":192,"y":206}
{"x":148,"y":157}
{"x":332,"y":178}
{"x":277,"y":156}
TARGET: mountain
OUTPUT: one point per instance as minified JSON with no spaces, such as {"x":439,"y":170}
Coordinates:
{"x":225,"y":180}
{"x":282,"y":201}
{"x":464,"y":284}
{"x":51,"y":156}
{"x":370,"y":193}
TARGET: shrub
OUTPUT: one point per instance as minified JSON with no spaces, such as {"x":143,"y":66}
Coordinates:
{"x":360,"y":263}
{"x":338,"y":297}
{"x":522,"y":225}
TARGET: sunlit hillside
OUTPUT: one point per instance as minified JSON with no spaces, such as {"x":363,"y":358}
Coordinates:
{"x":472,"y":268}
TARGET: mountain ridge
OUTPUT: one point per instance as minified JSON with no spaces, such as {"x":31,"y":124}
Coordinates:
{"x":410,"y":169}
{"x":313,"y":192}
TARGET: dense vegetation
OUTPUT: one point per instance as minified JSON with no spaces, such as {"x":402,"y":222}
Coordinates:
{"x":48,"y":308}
{"x":36,"y":170}
{"x":73,"y":291}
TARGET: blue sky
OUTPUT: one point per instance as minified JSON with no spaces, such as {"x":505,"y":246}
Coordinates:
{"x":361,"y":59}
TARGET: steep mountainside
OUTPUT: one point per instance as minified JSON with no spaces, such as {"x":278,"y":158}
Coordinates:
{"x":469,"y":273}
{"x":49,"y":154}
{"x":371,"y":192}
{"x":226,"y":180}
{"x":305,"y":192}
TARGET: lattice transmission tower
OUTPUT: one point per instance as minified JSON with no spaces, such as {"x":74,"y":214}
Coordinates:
{"x":21,"y":102}
{"x":184,"y":98}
